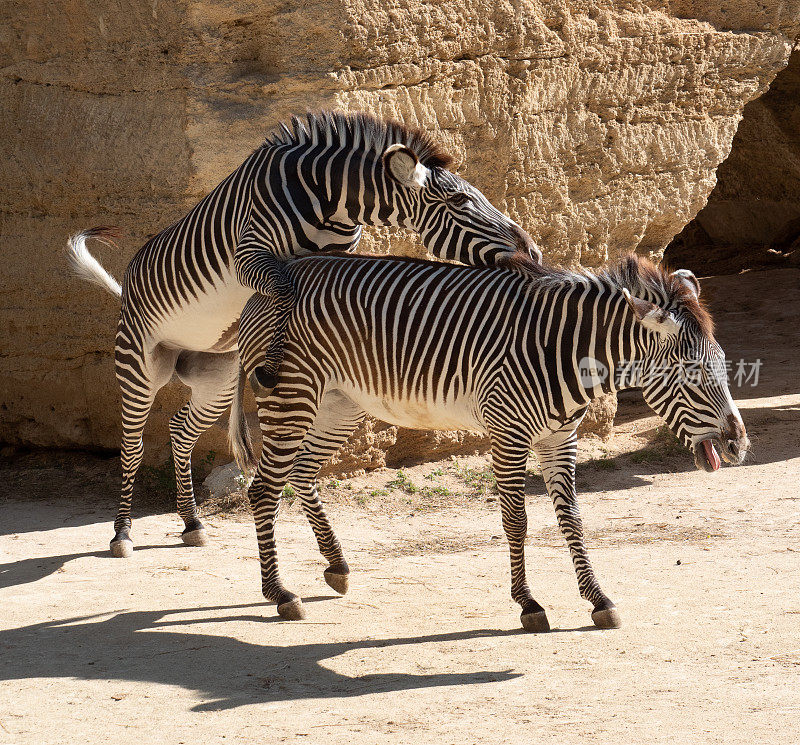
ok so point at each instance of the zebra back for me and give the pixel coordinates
(411, 330)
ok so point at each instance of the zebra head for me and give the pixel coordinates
(684, 378)
(372, 171)
(453, 218)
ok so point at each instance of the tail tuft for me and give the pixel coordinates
(238, 431)
(85, 266)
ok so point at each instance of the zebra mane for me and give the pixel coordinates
(360, 129)
(642, 278)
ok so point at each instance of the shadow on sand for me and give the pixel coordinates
(31, 570)
(224, 671)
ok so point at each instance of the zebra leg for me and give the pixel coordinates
(284, 424)
(140, 375)
(257, 267)
(557, 458)
(509, 461)
(212, 378)
(336, 420)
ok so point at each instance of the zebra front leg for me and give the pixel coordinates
(337, 573)
(557, 459)
(266, 375)
(257, 267)
(284, 424)
(265, 503)
(337, 418)
(278, 450)
(212, 378)
(509, 462)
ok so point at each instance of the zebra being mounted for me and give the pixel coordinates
(310, 187)
(517, 355)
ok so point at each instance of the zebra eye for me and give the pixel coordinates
(459, 199)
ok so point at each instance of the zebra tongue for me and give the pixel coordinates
(711, 454)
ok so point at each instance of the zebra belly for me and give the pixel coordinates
(207, 323)
(418, 414)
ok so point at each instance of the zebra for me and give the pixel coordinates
(517, 354)
(310, 187)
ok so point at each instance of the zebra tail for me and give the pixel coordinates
(85, 266)
(238, 432)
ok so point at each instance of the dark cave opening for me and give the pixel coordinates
(752, 218)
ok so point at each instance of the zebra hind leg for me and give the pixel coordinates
(509, 461)
(336, 420)
(140, 375)
(212, 378)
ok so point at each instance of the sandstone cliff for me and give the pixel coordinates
(596, 124)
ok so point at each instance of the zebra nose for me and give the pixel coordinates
(526, 245)
(736, 432)
(735, 439)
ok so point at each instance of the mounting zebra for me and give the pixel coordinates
(310, 187)
(515, 354)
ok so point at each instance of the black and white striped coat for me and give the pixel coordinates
(428, 345)
(309, 188)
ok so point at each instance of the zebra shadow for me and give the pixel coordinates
(24, 571)
(224, 672)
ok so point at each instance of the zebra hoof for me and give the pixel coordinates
(292, 610)
(197, 537)
(607, 618)
(122, 549)
(536, 623)
(338, 582)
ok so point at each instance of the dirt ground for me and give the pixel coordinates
(176, 646)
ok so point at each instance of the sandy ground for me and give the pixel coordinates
(176, 646)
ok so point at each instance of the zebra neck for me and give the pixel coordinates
(307, 182)
(335, 186)
(358, 190)
(607, 345)
(629, 345)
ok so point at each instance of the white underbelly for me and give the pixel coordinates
(201, 324)
(418, 414)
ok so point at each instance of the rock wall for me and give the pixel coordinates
(598, 125)
(752, 219)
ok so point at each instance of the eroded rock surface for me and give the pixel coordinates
(598, 125)
(752, 218)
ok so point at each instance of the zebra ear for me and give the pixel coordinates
(651, 316)
(404, 166)
(688, 278)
